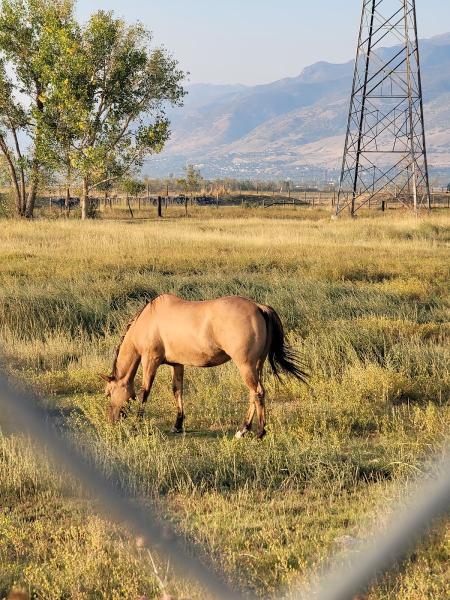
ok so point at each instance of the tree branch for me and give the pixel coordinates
(115, 177)
(20, 160)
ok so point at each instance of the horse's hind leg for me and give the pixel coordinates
(177, 388)
(247, 424)
(251, 376)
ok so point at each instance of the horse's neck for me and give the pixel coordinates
(128, 361)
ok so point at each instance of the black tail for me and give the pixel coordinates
(282, 357)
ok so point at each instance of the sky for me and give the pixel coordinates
(256, 41)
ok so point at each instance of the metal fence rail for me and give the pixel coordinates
(22, 412)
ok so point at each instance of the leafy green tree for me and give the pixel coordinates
(31, 32)
(110, 108)
(133, 187)
(191, 182)
(194, 179)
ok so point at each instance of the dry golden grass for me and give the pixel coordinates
(367, 301)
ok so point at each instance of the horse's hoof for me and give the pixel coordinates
(261, 434)
(240, 434)
(177, 430)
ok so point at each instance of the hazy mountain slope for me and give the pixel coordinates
(233, 116)
(292, 122)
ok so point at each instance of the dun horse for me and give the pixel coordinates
(176, 332)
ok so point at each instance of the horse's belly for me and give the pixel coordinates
(196, 358)
(215, 361)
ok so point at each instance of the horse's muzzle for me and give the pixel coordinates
(113, 414)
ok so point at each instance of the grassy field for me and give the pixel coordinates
(365, 300)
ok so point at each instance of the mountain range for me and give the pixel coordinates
(293, 127)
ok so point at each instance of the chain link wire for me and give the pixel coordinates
(22, 412)
(405, 529)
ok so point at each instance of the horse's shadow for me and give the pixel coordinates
(204, 434)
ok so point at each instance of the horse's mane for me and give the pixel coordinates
(129, 324)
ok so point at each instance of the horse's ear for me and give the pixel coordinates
(107, 378)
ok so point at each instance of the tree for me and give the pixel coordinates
(191, 182)
(30, 50)
(132, 187)
(13, 120)
(106, 188)
(110, 110)
(193, 178)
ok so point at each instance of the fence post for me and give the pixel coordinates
(129, 205)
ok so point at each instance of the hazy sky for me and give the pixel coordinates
(257, 41)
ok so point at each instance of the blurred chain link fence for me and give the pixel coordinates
(22, 412)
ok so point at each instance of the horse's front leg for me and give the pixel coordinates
(149, 368)
(177, 388)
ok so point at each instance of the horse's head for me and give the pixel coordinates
(119, 393)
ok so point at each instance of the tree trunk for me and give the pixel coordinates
(20, 197)
(32, 192)
(34, 178)
(21, 175)
(85, 208)
(129, 206)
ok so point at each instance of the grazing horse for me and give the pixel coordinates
(176, 332)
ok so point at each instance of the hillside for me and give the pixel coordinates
(290, 126)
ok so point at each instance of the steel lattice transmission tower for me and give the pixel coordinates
(385, 151)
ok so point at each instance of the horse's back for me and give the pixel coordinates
(208, 332)
(228, 307)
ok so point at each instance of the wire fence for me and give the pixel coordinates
(22, 412)
(405, 529)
